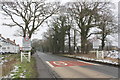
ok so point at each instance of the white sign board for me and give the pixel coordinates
(96, 44)
(26, 56)
(100, 54)
(26, 44)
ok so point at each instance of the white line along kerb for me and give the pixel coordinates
(60, 63)
(49, 64)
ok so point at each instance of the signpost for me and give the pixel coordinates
(99, 54)
(26, 54)
(96, 44)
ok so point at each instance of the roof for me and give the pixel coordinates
(8, 40)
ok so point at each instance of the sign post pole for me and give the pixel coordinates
(29, 56)
(96, 46)
(97, 54)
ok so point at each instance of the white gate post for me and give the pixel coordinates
(29, 56)
(97, 54)
(102, 55)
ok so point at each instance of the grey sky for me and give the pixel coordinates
(8, 32)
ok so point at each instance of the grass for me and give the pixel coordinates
(28, 69)
(0, 55)
(12, 59)
(12, 56)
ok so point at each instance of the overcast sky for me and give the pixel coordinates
(8, 32)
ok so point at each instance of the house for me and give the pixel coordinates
(8, 46)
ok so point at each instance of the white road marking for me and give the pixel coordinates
(60, 63)
(49, 64)
(88, 62)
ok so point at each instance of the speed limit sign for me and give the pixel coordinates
(26, 43)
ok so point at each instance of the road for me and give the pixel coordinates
(63, 67)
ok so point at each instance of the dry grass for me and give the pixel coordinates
(8, 66)
(112, 59)
(14, 60)
(92, 55)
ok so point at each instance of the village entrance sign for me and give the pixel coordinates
(26, 49)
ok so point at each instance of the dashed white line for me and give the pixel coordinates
(49, 64)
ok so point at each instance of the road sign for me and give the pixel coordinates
(26, 44)
(96, 44)
(26, 47)
(25, 55)
(100, 55)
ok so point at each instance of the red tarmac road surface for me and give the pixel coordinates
(67, 63)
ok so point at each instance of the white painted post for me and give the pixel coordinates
(29, 56)
(102, 55)
(97, 54)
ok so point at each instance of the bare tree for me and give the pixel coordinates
(86, 16)
(58, 30)
(31, 14)
(60, 27)
(108, 26)
(48, 39)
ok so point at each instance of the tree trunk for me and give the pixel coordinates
(62, 44)
(74, 40)
(55, 45)
(103, 42)
(103, 37)
(83, 43)
(69, 42)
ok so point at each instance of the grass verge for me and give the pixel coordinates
(26, 69)
(74, 57)
(16, 69)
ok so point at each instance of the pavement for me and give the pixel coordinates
(52, 66)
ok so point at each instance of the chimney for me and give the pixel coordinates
(8, 39)
(14, 40)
